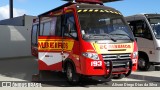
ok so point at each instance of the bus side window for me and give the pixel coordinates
(53, 26)
(140, 29)
(70, 28)
(34, 34)
(41, 28)
(58, 27)
(47, 28)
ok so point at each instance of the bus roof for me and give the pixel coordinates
(81, 6)
(55, 9)
(152, 15)
(92, 1)
(90, 6)
(148, 15)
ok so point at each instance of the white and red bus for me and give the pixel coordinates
(84, 38)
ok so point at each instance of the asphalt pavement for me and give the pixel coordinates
(26, 69)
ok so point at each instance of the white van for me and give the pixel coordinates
(146, 28)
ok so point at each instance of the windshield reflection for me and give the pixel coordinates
(155, 23)
(104, 26)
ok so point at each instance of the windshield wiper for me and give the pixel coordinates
(114, 40)
(124, 35)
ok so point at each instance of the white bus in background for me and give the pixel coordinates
(146, 29)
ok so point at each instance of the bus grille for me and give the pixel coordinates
(120, 62)
(116, 56)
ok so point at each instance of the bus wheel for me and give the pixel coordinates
(72, 76)
(143, 63)
(118, 76)
(42, 75)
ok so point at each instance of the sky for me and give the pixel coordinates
(36, 7)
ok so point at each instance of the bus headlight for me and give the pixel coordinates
(93, 56)
(134, 55)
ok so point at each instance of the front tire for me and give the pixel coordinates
(143, 63)
(44, 75)
(72, 76)
(118, 76)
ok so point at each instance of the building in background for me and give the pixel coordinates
(15, 37)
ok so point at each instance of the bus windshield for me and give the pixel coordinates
(102, 26)
(155, 24)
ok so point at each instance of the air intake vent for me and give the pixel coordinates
(116, 57)
(117, 50)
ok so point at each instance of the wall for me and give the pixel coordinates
(15, 40)
(19, 21)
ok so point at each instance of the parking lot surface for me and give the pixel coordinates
(26, 69)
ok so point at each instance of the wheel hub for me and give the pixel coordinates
(141, 63)
(69, 73)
